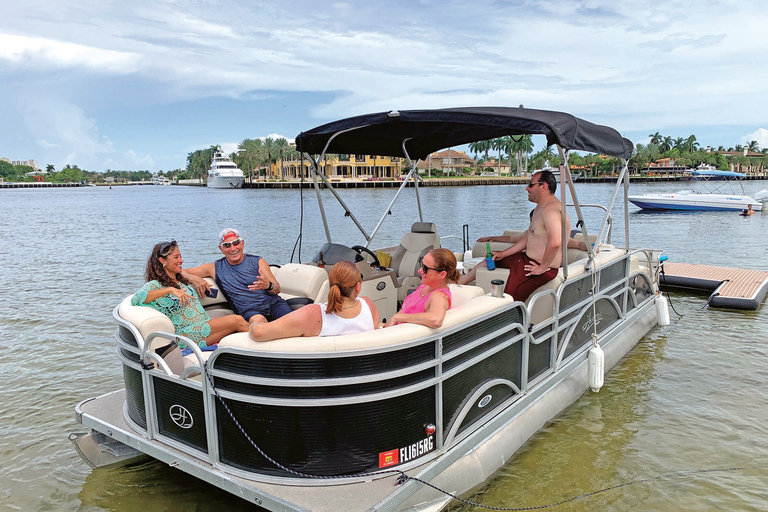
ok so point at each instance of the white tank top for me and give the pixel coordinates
(334, 325)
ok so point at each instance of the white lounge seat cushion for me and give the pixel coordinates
(146, 319)
(468, 303)
(298, 280)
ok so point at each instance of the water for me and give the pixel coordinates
(690, 396)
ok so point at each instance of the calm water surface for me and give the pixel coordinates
(690, 397)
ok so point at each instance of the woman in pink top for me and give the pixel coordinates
(345, 312)
(429, 302)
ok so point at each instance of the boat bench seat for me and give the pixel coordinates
(299, 281)
(468, 303)
(296, 281)
(542, 308)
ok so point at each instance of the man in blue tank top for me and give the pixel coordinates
(245, 279)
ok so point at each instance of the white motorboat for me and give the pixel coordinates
(160, 180)
(706, 199)
(556, 171)
(363, 422)
(224, 173)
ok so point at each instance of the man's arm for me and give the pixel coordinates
(266, 280)
(519, 246)
(196, 275)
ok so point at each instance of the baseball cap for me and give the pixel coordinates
(228, 233)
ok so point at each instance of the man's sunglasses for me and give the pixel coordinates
(532, 183)
(165, 248)
(234, 242)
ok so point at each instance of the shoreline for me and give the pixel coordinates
(383, 183)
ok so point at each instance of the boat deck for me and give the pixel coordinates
(732, 288)
(105, 414)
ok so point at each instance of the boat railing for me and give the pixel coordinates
(592, 302)
(455, 379)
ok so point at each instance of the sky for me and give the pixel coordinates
(138, 85)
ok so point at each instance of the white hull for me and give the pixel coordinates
(224, 173)
(226, 182)
(689, 200)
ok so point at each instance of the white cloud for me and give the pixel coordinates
(43, 53)
(760, 136)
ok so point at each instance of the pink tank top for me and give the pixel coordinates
(415, 303)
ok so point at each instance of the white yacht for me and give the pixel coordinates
(395, 419)
(224, 173)
(708, 197)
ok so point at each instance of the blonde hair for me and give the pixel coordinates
(445, 261)
(343, 278)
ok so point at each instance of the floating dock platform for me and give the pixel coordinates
(732, 288)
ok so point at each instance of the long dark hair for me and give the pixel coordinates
(155, 270)
(343, 278)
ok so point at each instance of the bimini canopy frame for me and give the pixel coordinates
(415, 134)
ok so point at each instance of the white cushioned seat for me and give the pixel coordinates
(468, 302)
(406, 259)
(297, 280)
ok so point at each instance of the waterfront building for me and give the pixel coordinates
(338, 166)
(30, 163)
(449, 162)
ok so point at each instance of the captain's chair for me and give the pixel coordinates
(406, 259)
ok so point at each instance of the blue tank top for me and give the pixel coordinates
(234, 281)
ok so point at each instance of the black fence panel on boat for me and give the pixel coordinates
(479, 329)
(324, 368)
(486, 404)
(612, 274)
(180, 413)
(304, 392)
(134, 396)
(539, 358)
(457, 389)
(324, 440)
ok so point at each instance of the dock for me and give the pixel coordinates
(732, 288)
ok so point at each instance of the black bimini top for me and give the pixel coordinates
(427, 131)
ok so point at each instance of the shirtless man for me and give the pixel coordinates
(535, 258)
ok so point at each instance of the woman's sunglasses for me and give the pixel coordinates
(165, 248)
(234, 242)
(425, 269)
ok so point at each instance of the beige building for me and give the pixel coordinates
(448, 161)
(364, 167)
(30, 163)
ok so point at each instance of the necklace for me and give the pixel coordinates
(350, 306)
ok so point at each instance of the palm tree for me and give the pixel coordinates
(476, 147)
(754, 146)
(250, 152)
(656, 138)
(270, 153)
(281, 150)
(522, 145)
(666, 144)
(50, 168)
(690, 144)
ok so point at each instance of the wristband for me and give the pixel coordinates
(271, 285)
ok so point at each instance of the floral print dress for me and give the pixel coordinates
(190, 320)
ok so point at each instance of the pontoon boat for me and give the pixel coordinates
(365, 422)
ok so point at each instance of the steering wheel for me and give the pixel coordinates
(359, 249)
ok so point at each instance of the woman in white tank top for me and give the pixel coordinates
(344, 313)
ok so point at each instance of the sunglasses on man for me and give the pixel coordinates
(234, 242)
